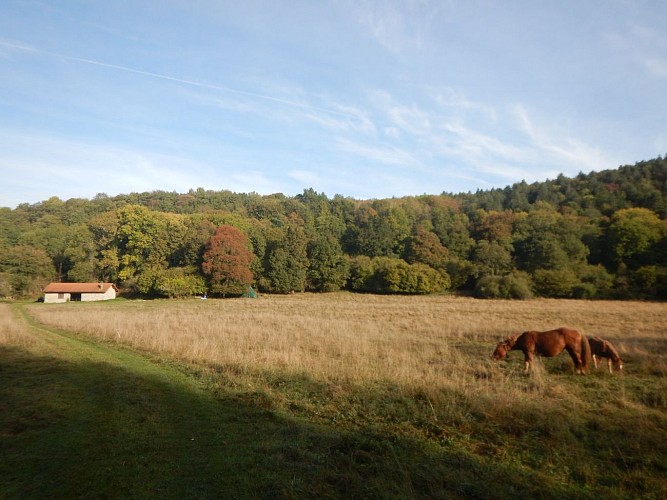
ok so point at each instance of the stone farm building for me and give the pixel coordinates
(84, 292)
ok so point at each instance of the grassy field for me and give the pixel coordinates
(330, 395)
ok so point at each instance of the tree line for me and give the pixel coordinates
(597, 235)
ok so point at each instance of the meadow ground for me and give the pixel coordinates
(375, 396)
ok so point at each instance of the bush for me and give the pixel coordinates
(595, 282)
(584, 291)
(516, 285)
(650, 280)
(488, 287)
(555, 282)
(180, 282)
(361, 271)
(389, 275)
(171, 282)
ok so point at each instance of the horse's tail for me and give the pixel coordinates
(586, 357)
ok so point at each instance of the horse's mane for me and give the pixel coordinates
(614, 353)
(510, 341)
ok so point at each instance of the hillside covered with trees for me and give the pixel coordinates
(597, 235)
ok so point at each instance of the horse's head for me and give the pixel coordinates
(615, 358)
(502, 349)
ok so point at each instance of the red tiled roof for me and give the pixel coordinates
(79, 287)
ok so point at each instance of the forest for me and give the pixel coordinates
(597, 235)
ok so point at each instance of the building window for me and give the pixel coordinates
(61, 296)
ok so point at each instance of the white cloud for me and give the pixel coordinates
(559, 149)
(655, 65)
(37, 167)
(384, 154)
(644, 46)
(397, 25)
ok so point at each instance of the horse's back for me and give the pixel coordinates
(553, 342)
(548, 343)
(597, 345)
(569, 333)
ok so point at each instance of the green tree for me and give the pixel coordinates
(492, 258)
(197, 232)
(545, 239)
(327, 269)
(287, 261)
(140, 233)
(370, 233)
(425, 247)
(227, 261)
(79, 254)
(49, 234)
(633, 233)
(361, 273)
(26, 269)
(106, 260)
(451, 225)
(494, 226)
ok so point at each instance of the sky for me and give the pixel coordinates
(360, 98)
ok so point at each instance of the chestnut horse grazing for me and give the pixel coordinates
(548, 344)
(601, 348)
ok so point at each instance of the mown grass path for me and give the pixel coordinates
(81, 419)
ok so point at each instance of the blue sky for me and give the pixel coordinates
(362, 98)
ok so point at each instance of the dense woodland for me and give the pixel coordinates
(597, 235)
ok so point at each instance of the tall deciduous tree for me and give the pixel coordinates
(633, 233)
(227, 261)
(328, 269)
(425, 247)
(27, 269)
(141, 239)
(104, 228)
(287, 261)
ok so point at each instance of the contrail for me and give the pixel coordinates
(221, 88)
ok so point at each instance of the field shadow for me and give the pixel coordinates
(97, 430)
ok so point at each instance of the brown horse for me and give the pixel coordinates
(601, 348)
(548, 344)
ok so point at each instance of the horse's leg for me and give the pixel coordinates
(609, 365)
(528, 361)
(595, 361)
(576, 358)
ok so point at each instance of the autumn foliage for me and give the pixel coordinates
(227, 261)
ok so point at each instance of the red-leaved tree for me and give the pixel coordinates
(227, 261)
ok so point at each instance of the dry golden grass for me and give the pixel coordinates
(415, 343)
(420, 367)
(13, 331)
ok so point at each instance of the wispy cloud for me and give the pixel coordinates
(397, 25)
(189, 82)
(386, 154)
(558, 149)
(645, 46)
(32, 164)
(447, 131)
